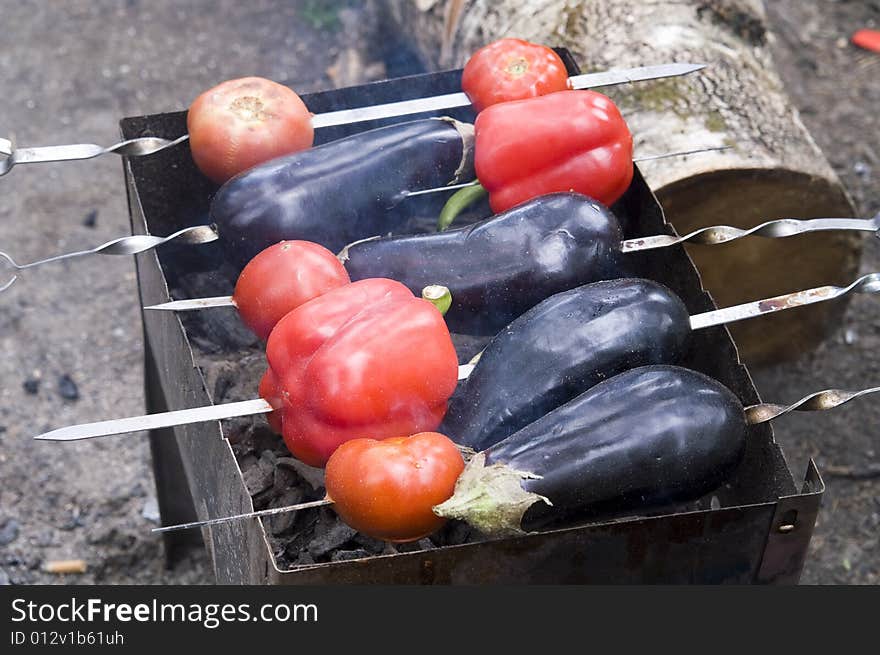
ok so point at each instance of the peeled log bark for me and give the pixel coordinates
(775, 169)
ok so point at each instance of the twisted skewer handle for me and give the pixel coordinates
(784, 227)
(130, 245)
(815, 402)
(10, 155)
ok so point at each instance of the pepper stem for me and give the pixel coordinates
(457, 203)
(439, 296)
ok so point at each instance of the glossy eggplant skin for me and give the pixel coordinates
(499, 268)
(341, 191)
(649, 436)
(562, 347)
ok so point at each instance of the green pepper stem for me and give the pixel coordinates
(457, 203)
(439, 296)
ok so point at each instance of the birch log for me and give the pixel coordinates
(774, 170)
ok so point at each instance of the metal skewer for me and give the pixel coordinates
(865, 284)
(636, 160)
(130, 245)
(816, 402)
(778, 229)
(10, 155)
(204, 234)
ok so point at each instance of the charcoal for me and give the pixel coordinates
(375, 546)
(313, 476)
(282, 523)
(285, 478)
(31, 386)
(330, 533)
(304, 558)
(342, 555)
(224, 330)
(412, 546)
(259, 478)
(265, 439)
(305, 523)
(67, 388)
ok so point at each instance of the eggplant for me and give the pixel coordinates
(561, 347)
(341, 191)
(647, 437)
(499, 268)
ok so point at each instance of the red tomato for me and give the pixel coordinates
(241, 123)
(283, 277)
(512, 69)
(387, 489)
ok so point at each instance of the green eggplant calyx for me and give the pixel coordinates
(457, 203)
(439, 296)
(490, 498)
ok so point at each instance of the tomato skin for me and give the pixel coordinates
(512, 69)
(283, 277)
(387, 489)
(244, 122)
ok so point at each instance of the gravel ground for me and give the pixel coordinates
(70, 336)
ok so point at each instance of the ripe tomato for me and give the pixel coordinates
(241, 123)
(512, 69)
(387, 489)
(283, 277)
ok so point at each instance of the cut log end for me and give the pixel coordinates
(756, 267)
(775, 169)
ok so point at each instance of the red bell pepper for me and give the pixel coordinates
(563, 141)
(366, 360)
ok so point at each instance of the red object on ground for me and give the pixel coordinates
(512, 69)
(387, 489)
(867, 39)
(366, 360)
(565, 141)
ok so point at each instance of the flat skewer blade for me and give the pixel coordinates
(157, 421)
(171, 419)
(762, 307)
(454, 100)
(194, 303)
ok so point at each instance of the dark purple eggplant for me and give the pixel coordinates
(561, 347)
(341, 191)
(501, 267)
(644, 438)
